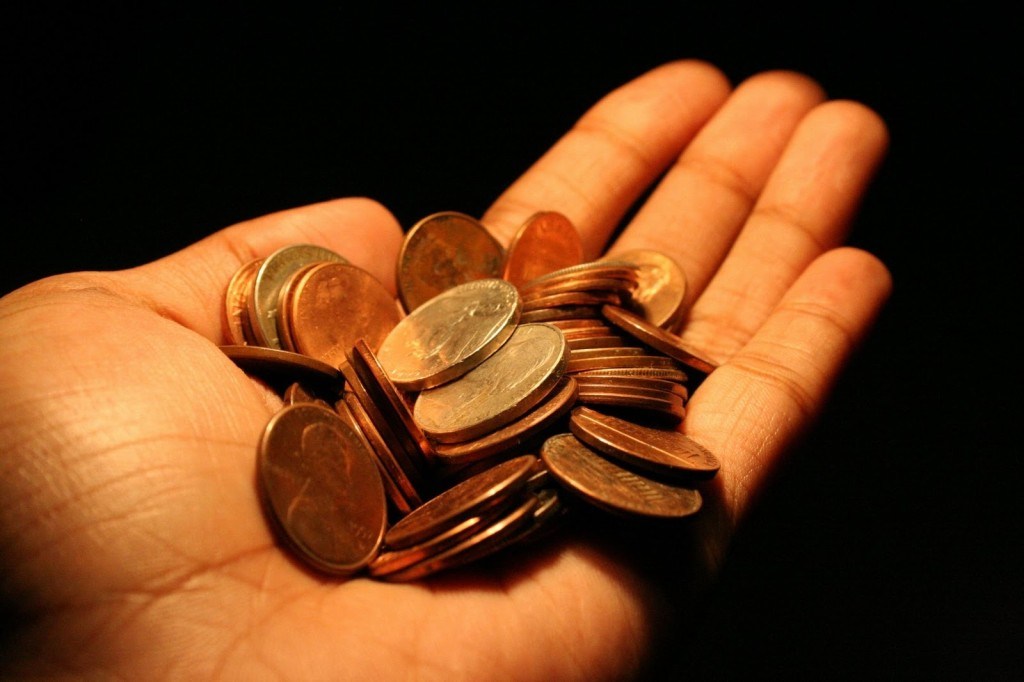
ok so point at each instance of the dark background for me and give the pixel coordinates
(887, 548)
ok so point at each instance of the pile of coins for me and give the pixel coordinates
(469, 414)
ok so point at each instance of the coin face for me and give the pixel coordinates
(662, 451)
(270, 277)
(583, 471)
(321, 487)
(450, 334)
(546, 242)
(441, 251)
(331, 306)
(661, 288)
(505, 386)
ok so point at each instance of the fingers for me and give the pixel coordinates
(703, 201)
(597, 171)
(189, 285)
(751, 409)
(804, 209)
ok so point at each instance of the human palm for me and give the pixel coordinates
(133, 539)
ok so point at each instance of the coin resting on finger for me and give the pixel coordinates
(453, 422)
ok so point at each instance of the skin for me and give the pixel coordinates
(131, 535)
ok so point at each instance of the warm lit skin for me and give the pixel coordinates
(131, 536)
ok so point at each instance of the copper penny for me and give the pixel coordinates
(322, 488)
(575, 312)
(270, 277)
(631, 382)
(665, 452)
(583, 471)
(620, 361)
(450, 334)
(655, 337)
(661, 288)
(441, 251)
(669, 409)
(280, 368)
(489, 539)
(620, 270)
(236, 302)
(488, 489)
(392, 560)
(507, 385)
(667, 373)
(332, 305)
(572, 298)
(546, 242)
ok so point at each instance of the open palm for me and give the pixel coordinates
(133, 543)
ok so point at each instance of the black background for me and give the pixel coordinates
(887, 548)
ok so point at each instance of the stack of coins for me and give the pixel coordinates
(500, 389)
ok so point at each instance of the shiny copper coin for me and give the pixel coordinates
(620, 270)
(488, 489)
(583, 471)
(399, 488)
(490, 539)
(669, 410)
(546, 242)
(513, 435)
(595, 284)
(270, 277)
(664, 452)
(507, 385)
(396, 442)
(661, 288)
(655, 337)
(673, 373)
(609, 352)
(236, 302)
(592, 342)
(573, 298)
(332, 305)
(450, 334)
(393, 560)
(444, 250)
(631, 382)
(623, 361)
(280, 368)
(573, 313)
(585, 329)
(393, 404)
(322, 488)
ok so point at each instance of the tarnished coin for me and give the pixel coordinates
(546, 242)
(236, 302)
(661, 288)
(505, 386)
(444, 250)
(665, 452)
(655, 337)
(280, 368)
(583, 471)
(332, 305)
(450, 334)
(322, 489)
(270, 277)
(486, 490)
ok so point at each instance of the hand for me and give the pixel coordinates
(133, 540)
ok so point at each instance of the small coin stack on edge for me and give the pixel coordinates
(472, 412)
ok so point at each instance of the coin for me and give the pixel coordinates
(393, 560)
(656, 337)
(280, 368)
(450, 334)
(270, 277)
(515, 434)
(665, 452)
(502, 388)
(441, 251)
(661, 286)
(546, 242)
(236, 302)
(591, 476)
(321, 487)
(486, 490)
(332, 305)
